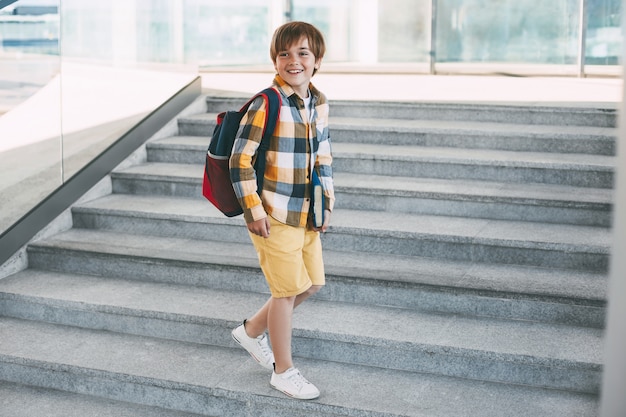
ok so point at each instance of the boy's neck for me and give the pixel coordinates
(302, 94)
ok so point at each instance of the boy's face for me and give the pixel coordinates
(296, 64)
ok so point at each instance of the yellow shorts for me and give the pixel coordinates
(290, 258)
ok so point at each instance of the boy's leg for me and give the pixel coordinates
(251, 334)
(279, 317)
(286, 378)
(258, 323)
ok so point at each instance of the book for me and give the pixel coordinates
(317, 200)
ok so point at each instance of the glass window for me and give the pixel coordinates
(604, 32)
(404, 31)
(87, 29)
(525, 31)
(335, 19)
(226, 32)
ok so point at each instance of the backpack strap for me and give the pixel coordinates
(274, 103)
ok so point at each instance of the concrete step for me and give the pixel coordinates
(456, 197)
(456, 134)
(576, 298)
(476, 135)
(441, 237)
(584, 114)
(217, 381)
(27, 401)
(577, 170)
(178, 150)
(517, 352)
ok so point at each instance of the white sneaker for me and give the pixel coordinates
(293, 384)
(257, 347)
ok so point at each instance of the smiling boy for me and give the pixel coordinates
(279, 216)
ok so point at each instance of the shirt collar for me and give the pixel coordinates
(288, 90)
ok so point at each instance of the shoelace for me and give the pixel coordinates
(297, 379)
(265, 347)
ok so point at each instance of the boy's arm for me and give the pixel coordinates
(242, 173)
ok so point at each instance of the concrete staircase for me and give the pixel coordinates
(466, 267)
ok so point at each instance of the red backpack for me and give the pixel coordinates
(216, 186)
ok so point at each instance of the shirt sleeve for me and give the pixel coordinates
(325, 172)
(324, 161)
(241, 163)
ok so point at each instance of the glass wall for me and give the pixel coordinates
(74, 77)
(528, 32)
(519, 31)
(30, 65)
(404, 31)
(604, 33)
(523, 35)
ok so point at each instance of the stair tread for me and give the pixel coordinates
(381, 184)
(508, 280)
(458, 229)
(506, 129)
(439, 154)
(462, 126)
(541, 344)
(207, 370)
(475, 156)
(26, 401)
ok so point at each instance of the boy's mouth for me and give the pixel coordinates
(295, 71)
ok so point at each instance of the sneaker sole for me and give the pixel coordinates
(294, 396)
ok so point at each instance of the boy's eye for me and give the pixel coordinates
(283, 54)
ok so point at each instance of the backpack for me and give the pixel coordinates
(216, 186)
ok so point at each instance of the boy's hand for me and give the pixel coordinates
(326, 222)
(260, 227)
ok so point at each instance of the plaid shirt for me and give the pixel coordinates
(295, 148)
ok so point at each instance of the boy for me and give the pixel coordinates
(288, 246)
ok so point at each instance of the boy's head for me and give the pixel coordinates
(290, 33)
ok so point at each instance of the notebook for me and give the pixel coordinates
(317, 200)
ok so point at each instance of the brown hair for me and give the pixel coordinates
(289, 33)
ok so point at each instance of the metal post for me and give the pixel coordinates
(582, 36)
(288, 10)
(433, 36)
(612, 398)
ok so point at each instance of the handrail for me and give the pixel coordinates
(22, 231)
(5, 3)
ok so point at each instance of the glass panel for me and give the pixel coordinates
(604, 32)
(30, 102)
(404, 31)
(336, 20)
(74, 79)
(523, 31)
(226, 32)
(115, 75)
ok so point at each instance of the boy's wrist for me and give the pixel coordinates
(254, 213)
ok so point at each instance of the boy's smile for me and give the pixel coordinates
(296, 66)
